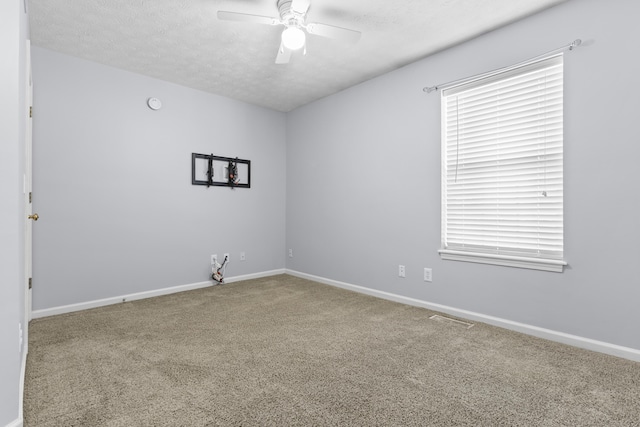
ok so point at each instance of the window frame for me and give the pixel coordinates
(540, 261)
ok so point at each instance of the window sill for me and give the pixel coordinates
(556, 266)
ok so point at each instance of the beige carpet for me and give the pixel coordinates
(284, 351)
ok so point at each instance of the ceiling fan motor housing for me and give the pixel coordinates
(289, 16)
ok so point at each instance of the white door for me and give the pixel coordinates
(31, 216)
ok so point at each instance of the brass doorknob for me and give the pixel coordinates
(34, 217)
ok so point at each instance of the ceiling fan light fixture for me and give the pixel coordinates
(293, 38)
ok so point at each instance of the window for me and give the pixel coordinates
(502, 190)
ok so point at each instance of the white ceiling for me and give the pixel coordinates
(183, 42)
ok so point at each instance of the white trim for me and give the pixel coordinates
(23, 374)
(142, 295)
(555, 266)
(255, 275)
(15, 423)
(561, 337)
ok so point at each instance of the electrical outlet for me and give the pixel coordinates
(242, 256)
(428, 277)
(214, 259)
(401, 271)
(290, 253)
(226, 256)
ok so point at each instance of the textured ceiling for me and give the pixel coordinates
(183, 42)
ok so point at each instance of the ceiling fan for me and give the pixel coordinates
(293, 16)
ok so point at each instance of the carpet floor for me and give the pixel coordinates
(284, 351)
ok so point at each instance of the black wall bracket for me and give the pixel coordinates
(217, 171)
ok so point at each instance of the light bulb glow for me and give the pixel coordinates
(293, 38)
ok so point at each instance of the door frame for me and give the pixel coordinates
(28, 187)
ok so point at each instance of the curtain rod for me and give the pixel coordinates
(570, 46)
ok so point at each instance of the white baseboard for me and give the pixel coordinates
(23, 373)
(147, 294)
(561, 337)
(15, 423)
(255, 275)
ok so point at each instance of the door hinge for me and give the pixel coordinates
(31, 112)
(30, 196)
(30, 282)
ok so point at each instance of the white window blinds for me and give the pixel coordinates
(502, 187)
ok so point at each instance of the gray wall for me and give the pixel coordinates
(13, 34)
(363, 180)
(119, 215)
(112, 184)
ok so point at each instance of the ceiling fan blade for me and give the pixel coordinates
(332, 32)
(245, 17)
(284, 55)
(300, 6)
